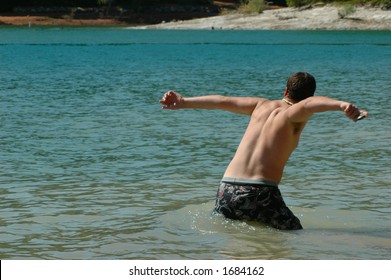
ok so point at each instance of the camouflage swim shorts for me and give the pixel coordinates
(255, 201)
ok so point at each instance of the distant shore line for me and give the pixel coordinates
(327, 17)
(33, 21)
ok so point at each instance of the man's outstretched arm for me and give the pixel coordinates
(241, 105)
(303, 110)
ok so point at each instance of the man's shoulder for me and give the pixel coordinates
(268, 109)
(268, 104)
(263, 101)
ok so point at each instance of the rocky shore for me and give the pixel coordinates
(328, 17)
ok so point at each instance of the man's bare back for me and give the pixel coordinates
(249, 188)
(268, 142)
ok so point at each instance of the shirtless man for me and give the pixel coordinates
(249, 189)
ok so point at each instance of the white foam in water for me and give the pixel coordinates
(327, 234)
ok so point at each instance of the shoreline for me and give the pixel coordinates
(327, 17)
(41, 21)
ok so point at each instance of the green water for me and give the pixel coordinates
(92, 168)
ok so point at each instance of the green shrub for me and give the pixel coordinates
(298, 3)
(346, 11)
(252, 6)
(386, 4)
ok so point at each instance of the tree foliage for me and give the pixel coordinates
(91, 3)
(8, 5)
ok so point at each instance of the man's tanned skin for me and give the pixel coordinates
(273, 132)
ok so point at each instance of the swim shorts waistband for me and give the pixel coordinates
(238, 181)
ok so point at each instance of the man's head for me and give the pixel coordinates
(300, 86)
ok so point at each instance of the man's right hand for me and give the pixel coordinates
(172, 100)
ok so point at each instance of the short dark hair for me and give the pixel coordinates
(301, 85)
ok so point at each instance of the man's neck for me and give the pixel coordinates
(288, 101)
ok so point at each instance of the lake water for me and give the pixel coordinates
(92, 168)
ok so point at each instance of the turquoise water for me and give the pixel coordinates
(92, 168)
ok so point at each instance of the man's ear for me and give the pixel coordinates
(286, 92)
